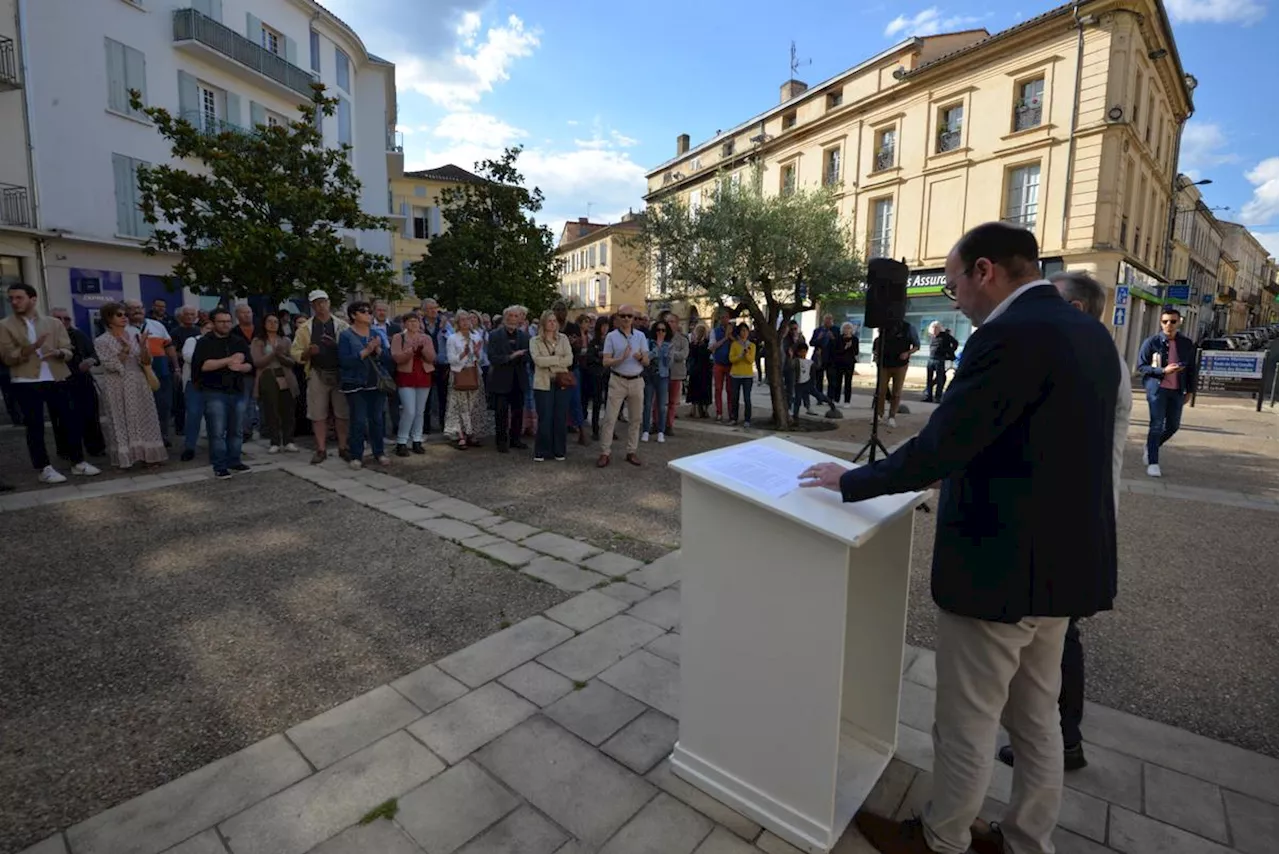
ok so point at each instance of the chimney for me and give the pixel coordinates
(790, 89)
(682, 144)
(582, 226)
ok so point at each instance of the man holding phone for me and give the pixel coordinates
(625, 355)
(1168, 364)
(316, 346)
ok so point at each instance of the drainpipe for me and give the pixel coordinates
(1173, 199)
(41, 260)
(1075, 122)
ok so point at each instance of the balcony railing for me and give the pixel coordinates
(8, 64)
(395, 141)
(210, 124)
(948, 140)
(884, 159)
(1023, 219)
(878, 247)
(14, 210)
(1026, 116)
(190, 25)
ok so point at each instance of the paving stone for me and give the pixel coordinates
(667, 646)
(308, 813)
(566, 576)
(429, 688)
(890, 790)
(612, 563)
(417, 494)
(629, 593)
(560, 546)
(1229, 766)
(364, 494)
(1194, 805)
(522, 832)
(481, 541)
(355, 724)
(644, 742)
(599, 648)
(377, 837)
(411, 512)
(664, 779)
(1083, 814)
(915, 706)
(662, 609)
(378, 480)
(1137, 834)
(586, 610)
(652, 680)
(915, 748)
(459, 509)
(471, 721)
(722, 841)
(456, 806)
(924, 670)
(52, 845)
(449, 529)
(661, 573)
(202, 843)
(393, 504)
(536, 683)
(1066, 842)
(514, 531)
(192, 803)
(1254, 826)
(595, 712)
(508, 553)
(921, 789)
(488, 659)
(488, 522)
(571, 782)
(1114, 777)
(773, 845)
(664, 826)
(341, 484)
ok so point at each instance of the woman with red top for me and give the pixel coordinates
(415, 355)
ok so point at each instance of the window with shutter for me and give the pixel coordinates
(344, 121)
(129, 219)
(126, 69)
(435, 221)
(315, 51)
(604, 253)
(881, 243)
(344, 69)
(1023, 199)
(591, 257)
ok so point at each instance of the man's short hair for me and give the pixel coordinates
(1168, 309)
(1005, 245)
(213, 315)
(1082, 287)
(24, 287)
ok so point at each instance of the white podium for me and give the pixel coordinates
(793, 619)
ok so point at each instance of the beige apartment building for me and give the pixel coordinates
(416, 212)
(600, 267)
(1067, 124)
(1253, 274)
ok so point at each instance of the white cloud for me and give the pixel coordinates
(1203, 145)
(460, 77)
(478, 129)
(1216, 11)
(927, 23)
(1265, 204)
(1270, 241)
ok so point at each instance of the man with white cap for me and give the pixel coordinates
(316, 346)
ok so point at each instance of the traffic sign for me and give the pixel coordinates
(1122, 299)
(1118, 318)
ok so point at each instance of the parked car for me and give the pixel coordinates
(1219, 344)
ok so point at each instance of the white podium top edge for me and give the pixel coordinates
(818, 509)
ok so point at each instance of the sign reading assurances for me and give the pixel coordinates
(1223, 370)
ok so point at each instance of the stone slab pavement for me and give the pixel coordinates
(551, 737)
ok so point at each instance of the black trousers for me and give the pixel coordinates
(438, 396)
(84, 408)
(935, 381)
(32, 399)
(508, 415)
(1071, 697)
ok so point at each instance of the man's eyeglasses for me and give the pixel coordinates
(362, 311)
(949, 288)
(1172, 320)
(626, 316)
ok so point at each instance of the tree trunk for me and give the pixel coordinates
(773, 373)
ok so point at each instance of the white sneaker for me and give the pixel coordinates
(85, 469)
(52, 475)
(891, 423)
(291, 448)
(356, 464)
(1153, 470)
(662, 437)
(384, 460)
(274, 449)
(644, 437)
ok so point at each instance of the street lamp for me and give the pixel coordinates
(1178, 186)
(1199, 183)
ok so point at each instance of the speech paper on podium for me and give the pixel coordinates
(768, 470)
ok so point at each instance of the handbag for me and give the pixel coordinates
(153, 381)
(565, 379)
(467, 379)
(386, 384)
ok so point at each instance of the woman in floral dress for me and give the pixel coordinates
(466, 418)
(127, 406)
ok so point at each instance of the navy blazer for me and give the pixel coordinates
(1022, 442)
(506, 373)
(1187, 354)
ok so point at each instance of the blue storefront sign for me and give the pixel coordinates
(1179, 292)
(1118, 318)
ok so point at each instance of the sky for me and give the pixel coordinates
(597, 93)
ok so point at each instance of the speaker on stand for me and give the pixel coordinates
(886, 304)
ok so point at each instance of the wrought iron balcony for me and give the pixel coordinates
(9, 78)
(190, 25)
(1026, 115)
(395, 141)
(885, 159)
(948, 140)
(14, 209)
(1026, 219)
(211, 125)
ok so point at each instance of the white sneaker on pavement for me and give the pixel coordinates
(891, 423)
(1153, 470)
(644, 437)
(291, 448)
(51, 475)
(662, 437)
(274, 449)
(356, 464)
(85, 469)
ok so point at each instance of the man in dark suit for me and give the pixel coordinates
(84, 396)
(1022, 443)
(508, 379)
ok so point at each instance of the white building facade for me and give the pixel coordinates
(70, 145)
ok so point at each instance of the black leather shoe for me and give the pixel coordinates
(187, 456)
(1072, 757)
(417, 448)
(402, 451)
(519, 446)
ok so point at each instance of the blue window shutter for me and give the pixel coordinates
(123, 174)
(253, 28)
(135, 75)
(290, 51)
(117, 97)
(215, 10)
(433, 227)
(188, 97)
(257, 114)
(141, 227)
(315, 51)
(233, 109)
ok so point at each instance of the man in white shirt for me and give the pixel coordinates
(625, 356)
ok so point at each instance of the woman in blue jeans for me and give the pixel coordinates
(359, 349)
(657, 381)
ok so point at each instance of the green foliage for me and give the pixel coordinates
(259, 211)
(767, 257)
(492, 254)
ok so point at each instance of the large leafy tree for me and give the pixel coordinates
(263, 210)
(492, 254)
(767, 257)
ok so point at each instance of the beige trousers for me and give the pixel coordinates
(629, 391)
(989, 673)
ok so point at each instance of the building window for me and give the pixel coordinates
(604, 253)
(1027, 111)
(419, 191)
(789, 120)
(406, 272)
(1124, 231)
(344, 69)
(695, 202)
(129, 220)
(591, 257)
(881, 242)
(272, 40)
(1151, 117)
(886, 154)
(419, 223)
(950, 123)
(344, 121)
(275, 120)
(315, 51)
(213, 108)
(831, 167)
(787, 181)
(126, 69)
(1137, 98)
(695, 164)
(1159, 140)
(1024, 195)
(835, 99)
(726, 150)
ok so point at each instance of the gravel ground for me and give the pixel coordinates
(16, 470)
(133, 653)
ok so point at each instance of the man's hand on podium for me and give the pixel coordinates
(826, 475)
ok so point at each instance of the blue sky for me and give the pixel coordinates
(598, 92)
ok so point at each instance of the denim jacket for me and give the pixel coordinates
(1187, 355)
(355, 373)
